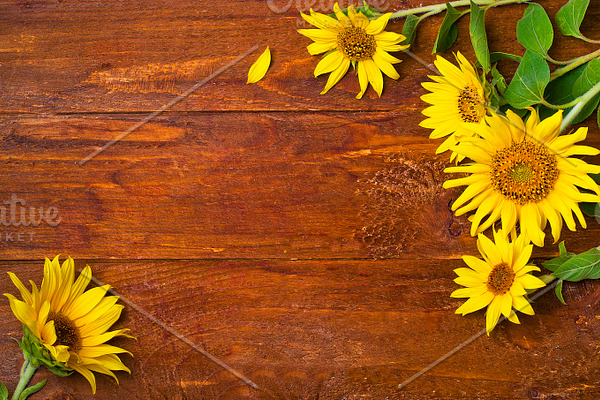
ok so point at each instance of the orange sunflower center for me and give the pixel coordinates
(524, 172)
(356, 44)
(67, 333)
(500, 279)
(470, 106)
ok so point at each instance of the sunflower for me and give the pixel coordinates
(69, 322)
(356, 40)
(524, 173)
(499, 281)
(458, 96)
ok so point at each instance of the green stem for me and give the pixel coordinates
(556, 62)
(592, 41)
(562, 106)
(582, 101)
(27, 371)
(438, 8)
(576, 63)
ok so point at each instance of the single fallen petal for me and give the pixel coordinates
(259, 68)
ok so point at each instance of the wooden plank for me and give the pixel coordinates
(326, 329)
(235, 185)
(90, 56)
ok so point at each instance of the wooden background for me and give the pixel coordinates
(304, 240)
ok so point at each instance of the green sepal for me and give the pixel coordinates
(367, 11)
(562, 249)
(32, 389)
(558, 291)
(3, 392)
(498, 81)
(38, 355)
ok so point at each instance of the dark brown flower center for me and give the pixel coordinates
(356, 44)
(500, 279)
(67, 333)
(470, 106)
(524, 172)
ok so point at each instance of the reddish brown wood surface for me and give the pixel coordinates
(304, 240)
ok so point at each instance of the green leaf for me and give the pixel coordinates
(528, 85)
(590, 209)
(448, 32)
(573, 84)
(570, 16)
(555, 263)
(409, 30)
(497, 56)
(3, 392)
(558, 291)
(582, 266)
(31, 390)
(534, 30)
(479, 37)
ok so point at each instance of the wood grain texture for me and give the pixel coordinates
(305, 240)
(328, 329)
(70, 56)
(237, 185)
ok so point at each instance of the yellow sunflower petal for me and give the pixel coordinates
(329, 63)
(87, 374)
(86, 302)
(336, 75)
(320, 47)
(363, 79)
(478, 265)
(506, 304)
(531, 282)
(100, 350)
(344, 20)
(521, 304)
(319, 35)
(513, 318)
(377, 26)
(25, 294)
(493, 314)
(475, 291)
(259, 69)
(475, 303)
(385, 66)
